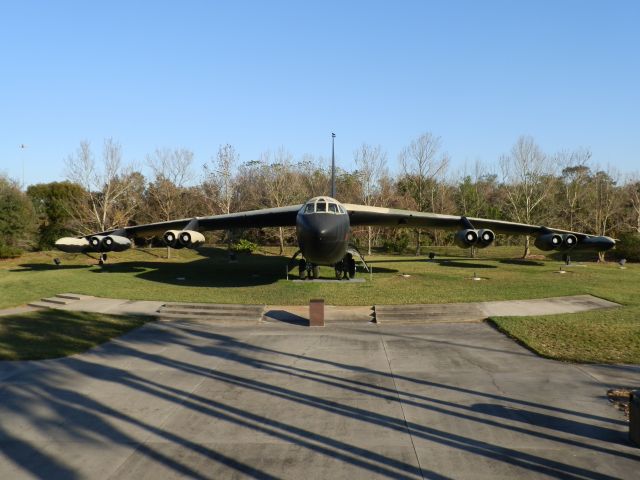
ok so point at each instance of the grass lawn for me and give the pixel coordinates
(206, 276)
(57, 333)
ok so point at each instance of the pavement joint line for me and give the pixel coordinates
(144, 442)
(404, 416)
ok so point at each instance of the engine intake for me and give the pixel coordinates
(190, 238)
(466, 238)
(170, 238)
(485, 238)
(95, 242)
(183, 238)
(556, 241)
(115, 243)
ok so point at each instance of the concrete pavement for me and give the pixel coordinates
(175, 399)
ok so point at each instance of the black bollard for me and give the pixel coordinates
(634, 417)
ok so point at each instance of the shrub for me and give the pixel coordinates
(7, 251)
(629, 246)
(245, 246)
(397, 243)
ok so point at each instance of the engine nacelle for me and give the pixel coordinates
(170, 238)
(556, 241)
(466, 238)
(95, 242)
(485, 238)
(115, 243)
(190, 238)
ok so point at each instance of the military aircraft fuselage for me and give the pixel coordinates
(323, 229)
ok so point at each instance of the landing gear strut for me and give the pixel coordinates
(103, 259)
(346, 268)
(308, 270)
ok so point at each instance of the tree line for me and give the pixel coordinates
(103, 191)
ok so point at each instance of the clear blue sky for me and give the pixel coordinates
(263, 74)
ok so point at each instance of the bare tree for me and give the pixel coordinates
(421, 166)
(106, 184)
(371, 163)
(278, 182)
(220, 184)
(575, 177)
(221, 176)
(605, 202)
(172, 171)
(526, 173)
(632, 192)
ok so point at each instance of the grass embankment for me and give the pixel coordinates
(57, 333)
(207, 276)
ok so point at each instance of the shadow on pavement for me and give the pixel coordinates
(55, 409)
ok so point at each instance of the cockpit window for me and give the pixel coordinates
(324, 205)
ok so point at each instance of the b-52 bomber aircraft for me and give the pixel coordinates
(323, 228)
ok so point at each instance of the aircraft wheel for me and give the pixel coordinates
(302, 269)
(339, 269)
(352, 267)
(315, 271)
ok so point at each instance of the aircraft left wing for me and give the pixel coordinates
(546, 238)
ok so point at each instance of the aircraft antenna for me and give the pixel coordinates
(333, 165)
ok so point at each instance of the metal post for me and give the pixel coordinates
(333, 166)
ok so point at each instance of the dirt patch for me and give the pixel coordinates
(620, 398)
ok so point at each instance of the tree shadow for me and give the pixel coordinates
(462, 264)
(520, 261)
(41, 267)
(89, 418)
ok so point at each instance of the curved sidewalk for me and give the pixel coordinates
(426, 313)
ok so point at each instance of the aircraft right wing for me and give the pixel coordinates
(184, 232)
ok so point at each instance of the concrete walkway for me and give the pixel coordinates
(457, 312)
(354, 401)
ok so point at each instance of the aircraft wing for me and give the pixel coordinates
(267, 217)
(361, 215)
(119, 239)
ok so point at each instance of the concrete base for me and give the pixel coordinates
(178, 400)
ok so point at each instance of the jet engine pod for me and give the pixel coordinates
(170, 238)
(569, 240)
(485, 238)
(467, 238)
(95, 242)
(549, 241)
(115, 243)
(72, 245)
(190, 238)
